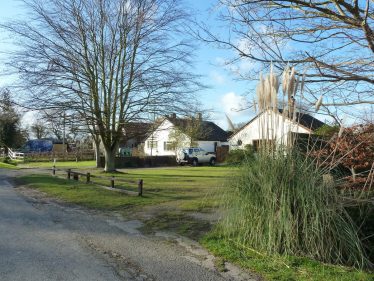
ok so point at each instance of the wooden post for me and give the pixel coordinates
(88, 177)
(112, 182)
(69, 173)
(54, 170)
(140, 187)
(75, 176)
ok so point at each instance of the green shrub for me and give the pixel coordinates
(280, 204)
(238, 156)
(327, 130)
(8, 160)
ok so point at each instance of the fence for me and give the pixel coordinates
(131, 187)
(14, 155)
(221, 153)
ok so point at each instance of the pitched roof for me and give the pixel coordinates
(303, 119)
(137, 129)
(307, 120)
(210, 131)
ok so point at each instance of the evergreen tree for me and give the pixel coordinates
(11, 134)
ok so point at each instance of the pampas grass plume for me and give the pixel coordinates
(297, 82)
(291, 83)
(285, 80)
(341, 130)
(318, 103)
(302, 82)
(255, 105)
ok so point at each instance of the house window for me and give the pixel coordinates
(152, 144)
(168, 146)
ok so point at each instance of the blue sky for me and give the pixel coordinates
(224, 94)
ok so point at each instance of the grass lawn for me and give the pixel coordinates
(282, 268)
(83, 194)
(190, 188)
(7, 166)
(185, 189)
(66, 164)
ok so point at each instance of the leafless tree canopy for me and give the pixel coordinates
(111, 61)
(332, 41)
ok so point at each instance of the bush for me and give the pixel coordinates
(281, 204)
(238, 156)
(8, 160)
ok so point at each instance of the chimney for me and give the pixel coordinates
(173, 116)
(199, 116)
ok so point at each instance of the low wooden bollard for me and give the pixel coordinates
(140, 187)
(88, 177)
(112, 182)
(75, 176)
(69, 173)
(54, 170)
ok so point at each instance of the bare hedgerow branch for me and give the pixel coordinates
(332, 40)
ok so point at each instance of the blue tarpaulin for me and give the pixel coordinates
(44, 145)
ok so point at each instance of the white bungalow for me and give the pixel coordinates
(171, 133)
(273, 126)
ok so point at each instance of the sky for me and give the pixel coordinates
(224, 94)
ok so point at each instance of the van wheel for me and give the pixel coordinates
(212, 161)
(194, 162)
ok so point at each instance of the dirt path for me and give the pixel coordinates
(48, 240)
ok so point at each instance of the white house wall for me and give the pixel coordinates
(209, 146)
(268, 125)
(161, 135)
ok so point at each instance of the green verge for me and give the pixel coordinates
(65, 164)
(183, 189)
(281, 268)
(7, 166)
(186, 188)
(177, 222)
(83, 194)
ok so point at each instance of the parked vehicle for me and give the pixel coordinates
(195, 156)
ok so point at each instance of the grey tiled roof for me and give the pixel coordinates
(307, 120)
(211, 131)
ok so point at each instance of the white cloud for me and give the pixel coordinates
(240, 67)
(28, 118)
(217, 78)
(244, 45)
(220, 61)
(234, 105)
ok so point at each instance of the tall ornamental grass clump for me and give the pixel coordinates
(279, 203)
(282, 201)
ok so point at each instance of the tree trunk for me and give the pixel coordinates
(97, 153)
(110, 157)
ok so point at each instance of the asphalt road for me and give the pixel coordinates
(44, 240)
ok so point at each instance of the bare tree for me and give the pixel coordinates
(39, 129)
(330, 42)
(110, 61)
